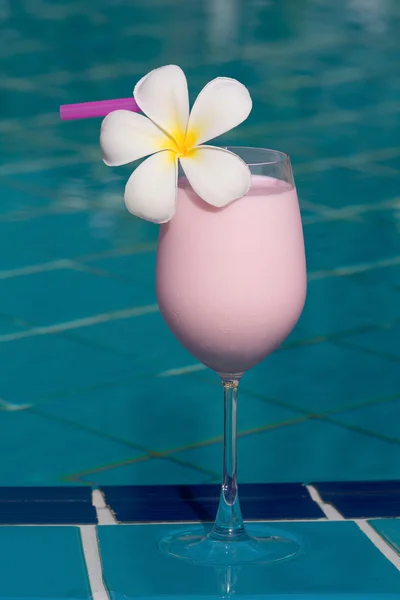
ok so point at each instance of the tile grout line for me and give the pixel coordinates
(379, 542)
(104, 513)
(94, 569)
(329, 511)
(353, 269)
(117, 315)
(54, 265)
(194, 368)
(136, 523)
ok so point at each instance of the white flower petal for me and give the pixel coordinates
(151, 189)
(126, 136)
(217, 175)
(222, 104)
(163, 96)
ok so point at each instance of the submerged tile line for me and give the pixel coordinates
(25, 215)
(7, 406)
(240, 434)
(367, 350)
(77, 477)
(77, 262)
(135, 311)
(186, 370)
(45, 164)
(361, 430)
(339, 335)
(363, 404)
(171, 451)
(140, 248)
(91, 430)
(352, 212)
(304, 411)
(190, 465)
(66, 393)
(326, 414)
(53, 265)
(354, 269)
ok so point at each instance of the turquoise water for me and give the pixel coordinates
(93, 387)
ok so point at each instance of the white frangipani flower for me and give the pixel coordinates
(169, 133)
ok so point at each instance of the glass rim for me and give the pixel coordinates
(280, 156)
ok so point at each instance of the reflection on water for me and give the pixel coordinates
(227, 581)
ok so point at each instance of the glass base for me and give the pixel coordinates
(259, 545)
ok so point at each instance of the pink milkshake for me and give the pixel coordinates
(231, 273)
(231, 282)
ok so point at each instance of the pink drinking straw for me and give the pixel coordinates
(88, 110)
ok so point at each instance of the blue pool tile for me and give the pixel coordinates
(389, 529)
(53, 297)
(45, 451)
(146, 339)
(322, 376)
(378, 419)
(199, 503)
(49, 237)
(190, 409)
(139, 267)
(296, 335)
(338, 242)
(312, 450)
(55, 365)
(384, 340)
(52, 563)
(326, 568)
(344, 187)
(46, 505)
(10, 324)
(344, 304)
(363, 500)
(17, 202)
(387, 276)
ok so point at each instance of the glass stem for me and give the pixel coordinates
(229, 523)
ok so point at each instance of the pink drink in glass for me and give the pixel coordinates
(231, 282)
(231, 285)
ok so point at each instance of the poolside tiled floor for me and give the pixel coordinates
(42, 562)
(326, 564)
(115, 554)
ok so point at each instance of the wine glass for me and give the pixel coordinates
(231, 285)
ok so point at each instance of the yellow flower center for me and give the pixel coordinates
(184, 144)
